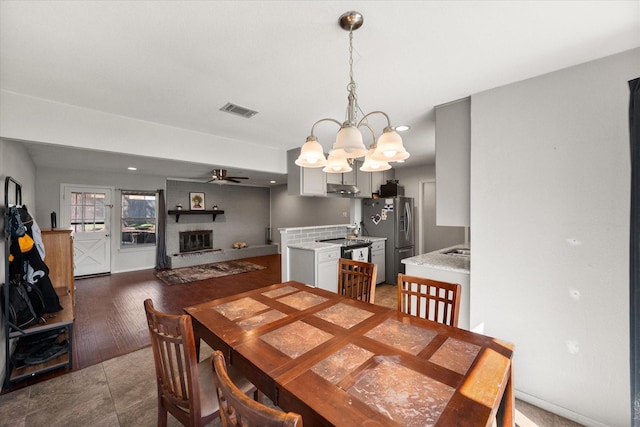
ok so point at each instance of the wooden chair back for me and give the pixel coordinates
(357, 279)
(237, 409)
(429, 299)
(174, 355)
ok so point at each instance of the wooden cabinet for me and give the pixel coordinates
(304, 181)
(58, 245)
(453, 163)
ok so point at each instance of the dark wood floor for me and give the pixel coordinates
(110, 319)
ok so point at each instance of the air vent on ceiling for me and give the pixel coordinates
(240, 111)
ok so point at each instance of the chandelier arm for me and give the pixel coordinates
(373, 134)
(324, 120)
(375, 112)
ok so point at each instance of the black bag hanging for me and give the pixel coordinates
(26, 305)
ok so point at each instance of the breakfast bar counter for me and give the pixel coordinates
(451, 265)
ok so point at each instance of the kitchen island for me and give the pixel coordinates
(451, 265)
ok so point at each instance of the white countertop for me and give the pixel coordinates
(438, 259)
(318, 246)
(314, 246)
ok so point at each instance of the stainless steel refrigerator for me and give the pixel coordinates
(390, 217)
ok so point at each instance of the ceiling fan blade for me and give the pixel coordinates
(237, 177)
(231, 179)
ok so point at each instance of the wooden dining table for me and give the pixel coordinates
(342, 362)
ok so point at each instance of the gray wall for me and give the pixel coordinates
(550, 189)
(48, 187)
(16, 163)
(299, 211)
(420, 183)
(245, 219)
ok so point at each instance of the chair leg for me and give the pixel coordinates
(258, 396)
(162, 414)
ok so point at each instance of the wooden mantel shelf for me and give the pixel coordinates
(177, 213)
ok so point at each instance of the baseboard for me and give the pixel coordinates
(558, 410)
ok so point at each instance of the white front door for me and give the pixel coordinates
(87, 210)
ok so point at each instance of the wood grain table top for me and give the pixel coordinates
(339, 361)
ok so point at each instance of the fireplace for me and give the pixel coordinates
(194, 241)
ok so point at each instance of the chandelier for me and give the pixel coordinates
(349, 143)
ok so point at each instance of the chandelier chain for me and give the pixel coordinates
(353, 107)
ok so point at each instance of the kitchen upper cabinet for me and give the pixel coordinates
(453, 163)
(379, 178)
(304, 181)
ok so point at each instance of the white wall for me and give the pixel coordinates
(73, 126)
(16, 163)
(245, 219)
(550, 192)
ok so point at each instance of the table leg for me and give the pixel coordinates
(506, 412)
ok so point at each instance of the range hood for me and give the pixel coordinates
(342, 190)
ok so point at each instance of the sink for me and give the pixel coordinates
(458, 252)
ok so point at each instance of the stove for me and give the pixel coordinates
(342, 241)
(352, 248)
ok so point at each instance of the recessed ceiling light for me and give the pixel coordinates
(402, 128)
(131, 168)
(272, 182)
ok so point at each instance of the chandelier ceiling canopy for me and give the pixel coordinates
(349, 143)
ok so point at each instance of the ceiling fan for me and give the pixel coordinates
(220, 175)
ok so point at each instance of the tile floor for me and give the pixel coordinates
(122, 392)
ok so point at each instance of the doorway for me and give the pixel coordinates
(431, 236)
(87, 211)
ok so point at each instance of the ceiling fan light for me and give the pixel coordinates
(337, 165)
(311, 154)
(349, 140)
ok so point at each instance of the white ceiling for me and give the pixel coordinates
(178, 62)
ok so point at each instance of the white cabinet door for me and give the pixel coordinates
(327, 269)
(304, 181)
(363, 180)
(315, 268)
(301, 266)
(377, 257)
(453, 163)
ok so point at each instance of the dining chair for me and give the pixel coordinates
(429, 299)
(237, 409)
(357, 279)
(185, 387)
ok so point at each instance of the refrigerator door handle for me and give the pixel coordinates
(408, 214)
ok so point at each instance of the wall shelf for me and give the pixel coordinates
(177, 213)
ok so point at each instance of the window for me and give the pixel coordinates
(138, 218)
(87, 212)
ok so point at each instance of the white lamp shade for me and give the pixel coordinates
(390, 148)
(349, 143)
(337, 165)
(311, 154)
(371, 165)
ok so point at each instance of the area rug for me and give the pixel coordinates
(184, 275)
